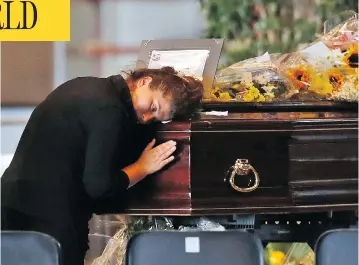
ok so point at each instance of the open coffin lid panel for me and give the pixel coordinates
(304, 154)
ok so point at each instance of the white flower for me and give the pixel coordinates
(348, 92)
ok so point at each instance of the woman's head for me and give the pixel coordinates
(161, 94)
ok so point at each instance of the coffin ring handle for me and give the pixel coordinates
(243, 168)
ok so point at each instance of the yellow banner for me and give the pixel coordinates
(35, 20)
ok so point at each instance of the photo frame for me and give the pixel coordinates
(198, 57)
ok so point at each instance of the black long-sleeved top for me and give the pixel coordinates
(72, 150)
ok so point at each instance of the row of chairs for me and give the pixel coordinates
(181, 248)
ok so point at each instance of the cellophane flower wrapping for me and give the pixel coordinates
(253, 80)
(328, 68)
(115, 250)
(288, 254)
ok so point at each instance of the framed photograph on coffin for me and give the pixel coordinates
(198, 57)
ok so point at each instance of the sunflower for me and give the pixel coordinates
(300, 76)
(224, 96)
(336, 78)
(253, 94)
(351, 56)
(321, 85)
(218, 93)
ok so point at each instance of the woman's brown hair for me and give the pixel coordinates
(186, 92)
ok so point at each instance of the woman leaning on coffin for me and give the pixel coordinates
(73, 153)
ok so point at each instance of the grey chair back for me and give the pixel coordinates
(194, 248)
(29, 248)
(337, 247)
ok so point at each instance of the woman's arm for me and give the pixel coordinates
(102, 175)
(106, 131)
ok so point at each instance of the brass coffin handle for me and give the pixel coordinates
(243, 168)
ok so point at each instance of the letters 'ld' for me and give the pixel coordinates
(8, 6)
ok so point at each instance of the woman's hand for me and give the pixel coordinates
(151, 160)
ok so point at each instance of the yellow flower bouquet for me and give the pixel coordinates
(328, 68)
(253, 80)
(334, 81)
(325, 70)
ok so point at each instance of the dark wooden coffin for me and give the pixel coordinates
(306, 158)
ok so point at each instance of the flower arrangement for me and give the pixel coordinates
(325, 70)
(334, 80)
(253, 80)
(249, 91)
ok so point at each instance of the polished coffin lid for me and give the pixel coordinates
(304, 153)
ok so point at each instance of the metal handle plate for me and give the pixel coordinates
(243, 168)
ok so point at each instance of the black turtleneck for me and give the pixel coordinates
(72, 151)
